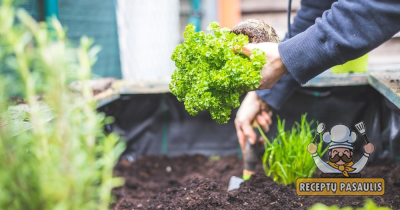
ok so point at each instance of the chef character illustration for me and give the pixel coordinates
(340, 151)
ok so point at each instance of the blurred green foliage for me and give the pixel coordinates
(54, 153)
(209, 75)
(369, 205)
(286, 157)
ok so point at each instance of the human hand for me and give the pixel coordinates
(312, 148)
(274, 69)
(369, 148)
(252, 109)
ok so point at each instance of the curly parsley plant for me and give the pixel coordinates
(209, 75)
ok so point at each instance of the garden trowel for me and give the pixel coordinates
(250, 159)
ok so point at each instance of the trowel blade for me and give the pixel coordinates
(234, 183)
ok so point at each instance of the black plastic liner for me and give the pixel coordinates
(158, 124)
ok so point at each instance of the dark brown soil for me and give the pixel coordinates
(198, 182)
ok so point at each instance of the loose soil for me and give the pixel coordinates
(199, 182)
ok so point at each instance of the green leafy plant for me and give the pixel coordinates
(54, 153)
(286, 157)
(369, 205)
(209, 75)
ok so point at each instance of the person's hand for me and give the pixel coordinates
(252, 109)
(369, 148)
(312, 148)
(274, 69)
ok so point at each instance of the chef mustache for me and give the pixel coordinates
(336, 158)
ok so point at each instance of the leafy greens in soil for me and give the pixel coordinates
(209, 75)
(286, 157)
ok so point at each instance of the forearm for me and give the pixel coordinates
(347, 31)
(306, 15)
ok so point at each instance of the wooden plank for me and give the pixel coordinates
(126, 87)
(388, 84)
(257, 6)
(121, 87)
(106, 97)
(328, 79)
(387, 53)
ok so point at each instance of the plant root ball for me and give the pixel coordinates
(257, 31)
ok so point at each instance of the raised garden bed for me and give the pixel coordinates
(199, 182)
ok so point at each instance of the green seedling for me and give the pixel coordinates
(369, 205)
(214, 158)
(286, 157)
(209, 75)
(54, 153)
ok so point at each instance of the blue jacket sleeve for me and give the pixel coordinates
(282, 90)
(350, 29)
(306, 15)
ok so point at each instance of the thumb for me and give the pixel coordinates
(249, 133)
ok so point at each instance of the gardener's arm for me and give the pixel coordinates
(305, 17)
(252, 108)
(347, 31)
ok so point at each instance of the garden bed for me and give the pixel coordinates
(199, 182)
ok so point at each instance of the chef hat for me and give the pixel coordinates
(340, 136)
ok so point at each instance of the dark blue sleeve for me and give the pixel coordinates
(306, 15)
(350, 29)
(282, 90)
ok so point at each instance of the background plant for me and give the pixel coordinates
(54, 153)
(209, 75)
(286, 157)
(369, 205)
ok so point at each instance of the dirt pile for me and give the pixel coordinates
(198, 182)
(208, 194)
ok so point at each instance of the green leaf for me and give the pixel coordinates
(209, 75)
(286, 156)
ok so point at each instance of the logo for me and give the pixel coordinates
(341, 174)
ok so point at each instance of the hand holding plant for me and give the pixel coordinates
(252, 109)
(274, 69)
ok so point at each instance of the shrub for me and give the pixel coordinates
(286, 157)
(54, 153)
